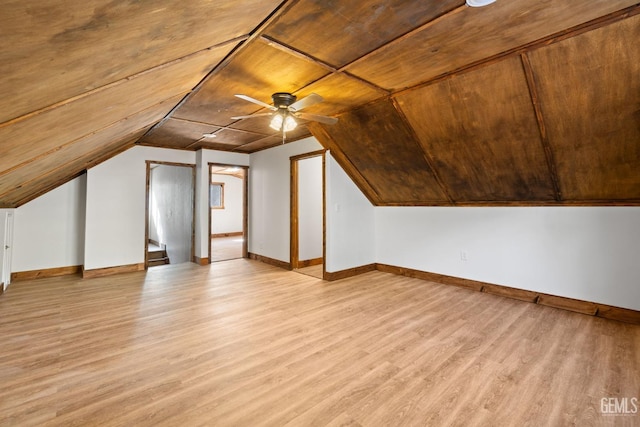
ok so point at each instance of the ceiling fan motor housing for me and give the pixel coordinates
(283, 99)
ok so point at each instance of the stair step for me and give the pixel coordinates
(158, 261)
(157, 254)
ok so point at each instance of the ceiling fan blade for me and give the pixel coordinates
(251, 116)
(255, 101)
(317, 118)
(311, 99)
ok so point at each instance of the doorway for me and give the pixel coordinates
(6, 238)
(307, 246)
(228, 188)
(170, 225)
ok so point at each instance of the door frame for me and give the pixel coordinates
(245, 206)
(146, 208)
(294, 244)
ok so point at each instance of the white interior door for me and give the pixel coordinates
(6, 239)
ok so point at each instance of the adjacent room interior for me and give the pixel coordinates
(228, 202)
(297, 212)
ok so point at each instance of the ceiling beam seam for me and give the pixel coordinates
(408, 34)
(215, 70)
(239, 148)
(544, 138)
(299, 54)
(279, 142)
(191, 121)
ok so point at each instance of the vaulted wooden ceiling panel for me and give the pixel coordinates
(28, 180)
(257, 71)
(61, 49)
(480, 130)
(36, 177)
(72, 169)
(469, 34)
(34, 135)
(589, 88)
(234, 138)
(257, 129)
(419, 94)
(176, 133)
(341, 93)
(376, 140)
(258, 125)
(338, 32)
(261, 144)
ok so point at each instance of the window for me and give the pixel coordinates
(216, 195)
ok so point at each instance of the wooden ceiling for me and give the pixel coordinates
(516, 103)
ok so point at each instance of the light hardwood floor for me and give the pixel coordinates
(242, 343)
(313, 271)
(226, 248)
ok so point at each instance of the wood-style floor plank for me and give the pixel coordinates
(244, 343)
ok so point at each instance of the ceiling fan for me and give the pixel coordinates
(285, 109)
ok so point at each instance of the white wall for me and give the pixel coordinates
(171, 190)
(229, 219)
(49, 230)
(310, 210)
(587, 253)
(350, 222)
(269, 198)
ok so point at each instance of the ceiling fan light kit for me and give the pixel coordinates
(479, 3)
(285, 109)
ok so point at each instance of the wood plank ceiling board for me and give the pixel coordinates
(85, 149)
(338, 32)
(469, 35)
(210, 144)
(589, 87)
(341, 93)
(26, 138)
(233, 138)
(258, 71)
(176, 133)
(261, 144)
(319, 132)
(258, 124)
(377, 141)
(480, 130)
(70, 169)
(58, 49)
